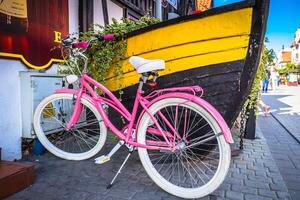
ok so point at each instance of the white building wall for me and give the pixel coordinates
(297, 35)
(98, 13)
(295, 49)
(73, 16)
(10, 109)
(114, 11)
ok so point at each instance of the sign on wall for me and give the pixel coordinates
(173, 3)
(30, 30)
(202, 5)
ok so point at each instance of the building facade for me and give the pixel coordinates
(80, 14)
(26, 36)
(295, 47)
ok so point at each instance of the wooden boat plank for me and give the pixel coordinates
(217, 26)
(210, 12)
(192, 49)
(183, 64)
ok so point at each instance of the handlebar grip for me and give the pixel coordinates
(106, 37)
(82, 45)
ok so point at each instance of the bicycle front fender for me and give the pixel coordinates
(74, 92)
(215, 114)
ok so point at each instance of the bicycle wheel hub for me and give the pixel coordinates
(181, 145)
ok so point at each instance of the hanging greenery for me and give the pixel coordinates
(105, 55)
(267, 57)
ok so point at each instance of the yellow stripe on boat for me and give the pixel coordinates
(187, 45)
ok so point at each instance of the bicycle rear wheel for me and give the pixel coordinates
(82, 141)
(202, 160)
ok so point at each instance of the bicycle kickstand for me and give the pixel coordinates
(104, 158)
(119, 171)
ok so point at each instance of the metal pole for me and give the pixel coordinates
(158, 9)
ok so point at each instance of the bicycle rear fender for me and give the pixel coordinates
(215, 114)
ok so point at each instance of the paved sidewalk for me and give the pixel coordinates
(285, 151)
(253, 175)
(285, 107)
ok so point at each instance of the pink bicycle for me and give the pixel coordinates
(182, 141)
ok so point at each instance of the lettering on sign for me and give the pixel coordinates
(57, 36)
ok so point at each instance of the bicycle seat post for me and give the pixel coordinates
(143, 80)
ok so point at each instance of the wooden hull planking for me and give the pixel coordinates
(218, 50)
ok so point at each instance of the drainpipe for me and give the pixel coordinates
(158, 9)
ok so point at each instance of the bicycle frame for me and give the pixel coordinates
(113, 102)
(126, 134)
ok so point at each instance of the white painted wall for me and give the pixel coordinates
(114, 11)
(73, 16)
(98, 14)
(296, 51)
(10, 109)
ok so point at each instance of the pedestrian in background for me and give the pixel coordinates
(265, 81)
(274, 79)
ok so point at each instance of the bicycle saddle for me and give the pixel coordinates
(143, 65)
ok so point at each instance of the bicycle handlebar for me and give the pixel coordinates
(72, 45)
(70, 42)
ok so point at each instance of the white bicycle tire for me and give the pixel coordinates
(163, 183)
(53, 149)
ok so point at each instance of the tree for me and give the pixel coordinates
(291, 66)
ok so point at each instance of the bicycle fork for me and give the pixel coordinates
(76, 113)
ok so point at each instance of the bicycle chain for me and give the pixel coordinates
(242, 128)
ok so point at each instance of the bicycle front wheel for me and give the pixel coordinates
(202, 158)
(82, 141)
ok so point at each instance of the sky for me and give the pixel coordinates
(283, 21)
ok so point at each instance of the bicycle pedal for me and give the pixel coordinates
(102, 159)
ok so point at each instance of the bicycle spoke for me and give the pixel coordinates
(205, 164)
(190, 134)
